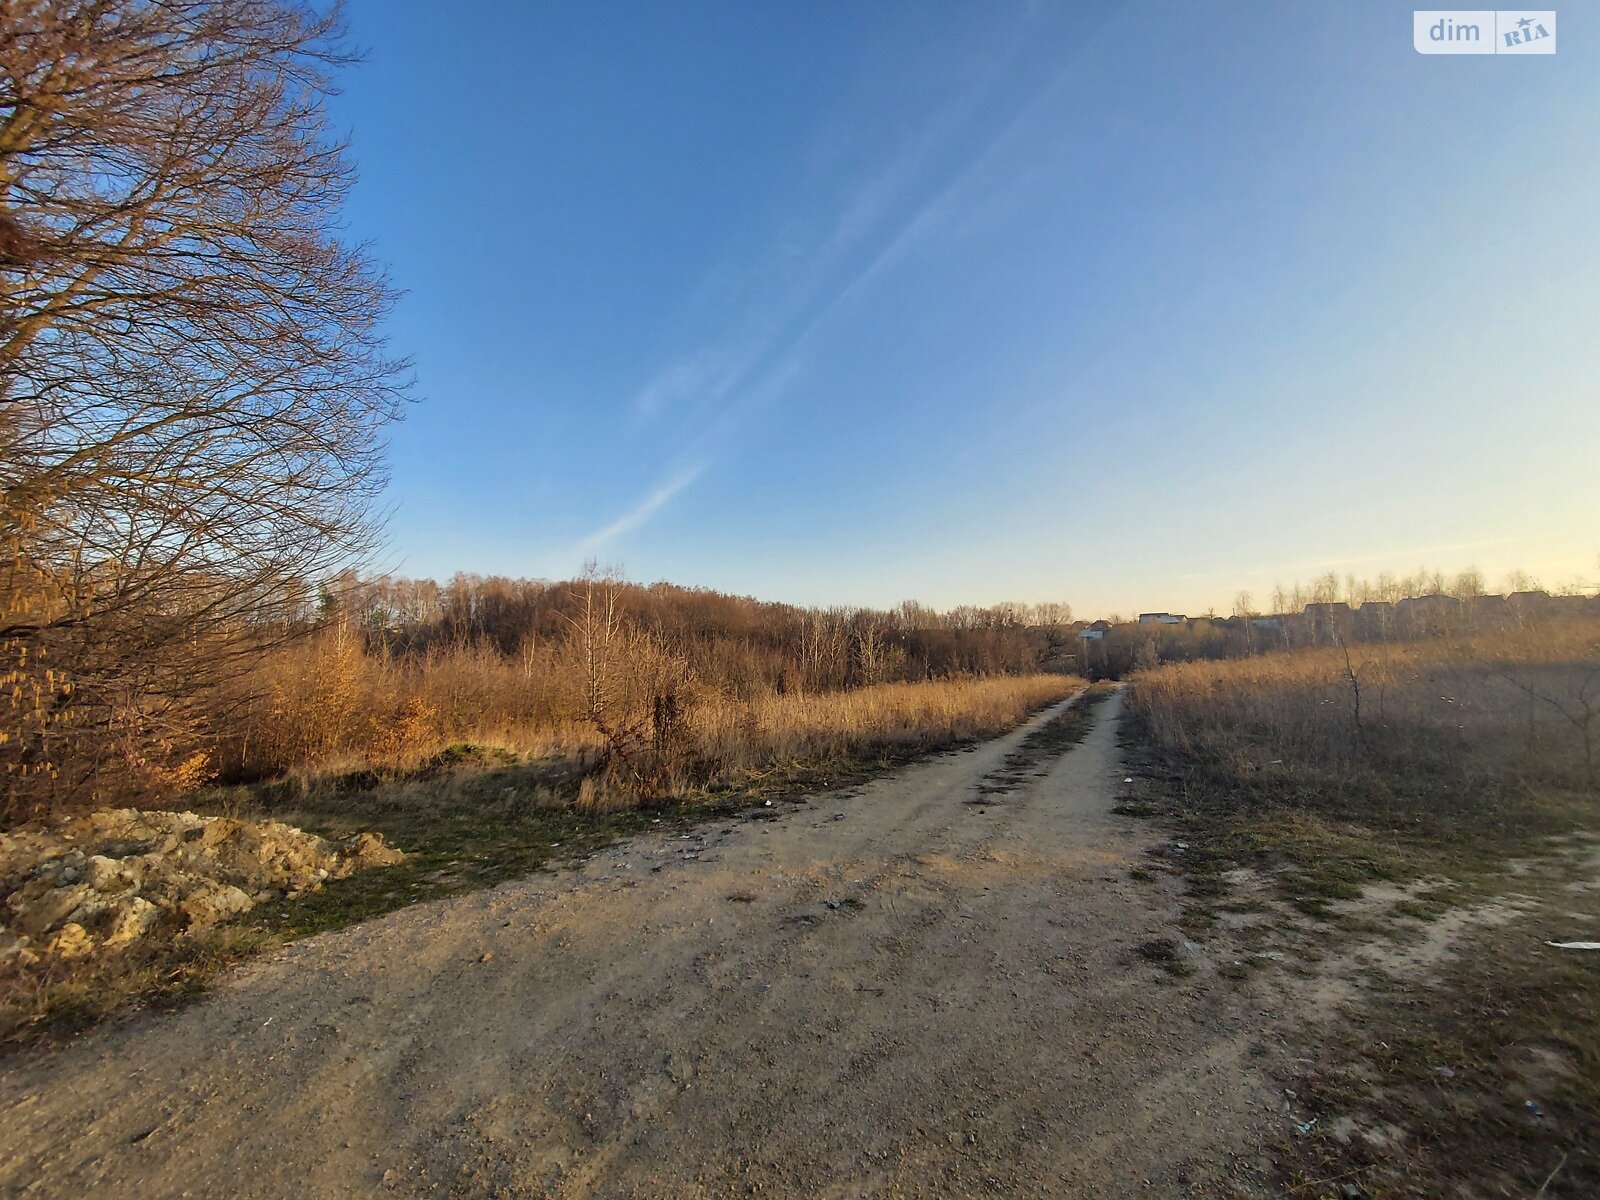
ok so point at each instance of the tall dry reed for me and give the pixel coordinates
(328, 706)
(1489, 734)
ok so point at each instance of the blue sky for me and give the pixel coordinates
(1131, 305)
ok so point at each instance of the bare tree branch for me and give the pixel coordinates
(192, 381)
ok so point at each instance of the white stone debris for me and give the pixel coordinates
(82, 885)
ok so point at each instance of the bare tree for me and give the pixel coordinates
(870, 652)
(1052, 614)
(824, 648)
(192, 383)
(600, 639)
(1352, 675)
(1244, 613)
(635, 692)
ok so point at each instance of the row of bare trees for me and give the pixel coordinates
(1387, 588)
(743, 646)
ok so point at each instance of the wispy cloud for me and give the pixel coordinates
(776, 308)
(717, 385)
(642, 511)
(706, 375)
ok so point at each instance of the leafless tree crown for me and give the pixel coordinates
(192, 381)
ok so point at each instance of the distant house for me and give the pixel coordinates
(1095, 632)
(1424, 612)
(1327, 609)
(1270, 623)
(1490, 610)
(1528, 604)
(1161, 618)
(1327, 618)
(1375, 616)
(1435, 603)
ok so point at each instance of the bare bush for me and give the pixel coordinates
(634, 692)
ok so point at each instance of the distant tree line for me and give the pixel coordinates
(741, 645)
(1332, 611)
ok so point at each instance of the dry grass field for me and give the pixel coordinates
(1403, 829)
(329, 708)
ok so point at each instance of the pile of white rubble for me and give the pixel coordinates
(82, 885)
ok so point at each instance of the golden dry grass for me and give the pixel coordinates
(1442, 757)
(328, 707)
(742, 735)
(471, 817)
(1501, 708)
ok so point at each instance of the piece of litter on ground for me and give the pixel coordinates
(1574, 945)
(1308, 1126)
(1533, 1107)
(768, 803)
(1127, 779)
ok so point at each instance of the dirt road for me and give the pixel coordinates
(888, 992)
